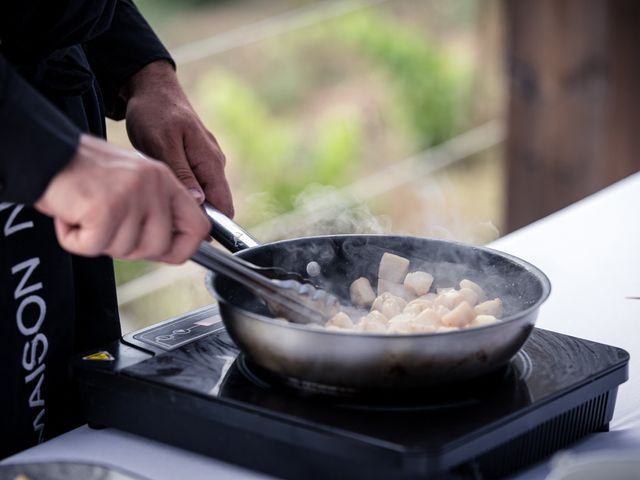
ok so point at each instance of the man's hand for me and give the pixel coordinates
(162, 124)
(113, 201)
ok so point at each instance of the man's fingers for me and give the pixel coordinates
(127, 236)
(190, 227)
(172, 152)
(182, 248)
(155, 238)
(88, 239)
(68, 235)
(207, 163)
(216, 189)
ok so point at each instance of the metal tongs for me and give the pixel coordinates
(297, 301)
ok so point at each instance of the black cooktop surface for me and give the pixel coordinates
(555, 390)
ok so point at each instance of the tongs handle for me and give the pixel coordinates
(228, 233)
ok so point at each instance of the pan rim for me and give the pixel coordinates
(527, 266)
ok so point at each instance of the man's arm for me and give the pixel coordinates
(36, 139)
(103, 199)
(138, 79)
(124, 49)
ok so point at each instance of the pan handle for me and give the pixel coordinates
(229, 234)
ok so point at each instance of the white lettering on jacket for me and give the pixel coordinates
(22, 289)
(11, 227)
(30, 315)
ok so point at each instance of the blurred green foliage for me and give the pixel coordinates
(433, 89)
(283, 148)
(277, 154)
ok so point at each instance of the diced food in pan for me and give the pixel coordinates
(393, 268)
(406, 303)
(444, 329)
(417, 306)
(402, 323)
(441, 290)
(461, 316)
(362, 294)
(340, 320)
(468, 295)
(448, 298)
(441, 310)
(482, 320)
(377, 316)
(389, 304)
(372, 323)
(475, 287)
(426, 321)
(490, 307)
(418, 283)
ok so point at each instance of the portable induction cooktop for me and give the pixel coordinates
(184, 382)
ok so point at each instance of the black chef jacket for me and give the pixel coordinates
(61, 67)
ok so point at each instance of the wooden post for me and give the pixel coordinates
(574, 108)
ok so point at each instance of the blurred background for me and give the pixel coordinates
(453, 119)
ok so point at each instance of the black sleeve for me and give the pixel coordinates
(127, 46)
(36, 139)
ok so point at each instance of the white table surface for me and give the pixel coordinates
(591, 253)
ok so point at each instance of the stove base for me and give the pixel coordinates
(206, 434)
(194, 395)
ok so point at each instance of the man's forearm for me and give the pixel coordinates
(157, 76)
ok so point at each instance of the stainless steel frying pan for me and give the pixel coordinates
(319, 358)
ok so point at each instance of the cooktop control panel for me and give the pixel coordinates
(176, 332)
